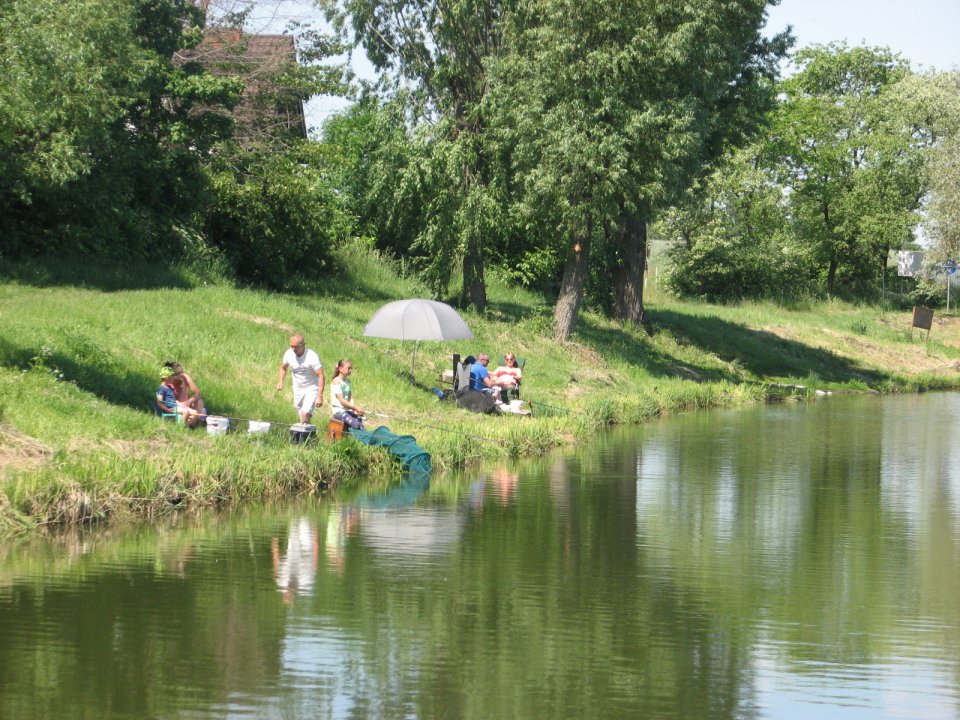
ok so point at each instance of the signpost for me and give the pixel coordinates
(923, 319)
(949, 267)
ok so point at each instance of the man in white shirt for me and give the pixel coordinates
(308, 378)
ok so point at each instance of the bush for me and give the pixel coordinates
(276, 217)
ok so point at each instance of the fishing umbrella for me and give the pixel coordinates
(417, 320)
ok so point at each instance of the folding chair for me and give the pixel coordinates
(468, 399)
(513, 393)
(165, 414)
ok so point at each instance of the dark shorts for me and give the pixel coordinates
(349, 419)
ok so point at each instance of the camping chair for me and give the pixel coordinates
(514, 393)
(468, 399)
(165, 414)
(461, 377)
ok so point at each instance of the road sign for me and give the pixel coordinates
(950, 266)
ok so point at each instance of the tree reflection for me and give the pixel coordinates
(687, 570)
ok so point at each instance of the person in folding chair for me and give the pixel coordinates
(508, 376)
(468, 398)
(480, 379)
(166, 399)
(342, 405)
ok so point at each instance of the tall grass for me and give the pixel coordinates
(79, 358)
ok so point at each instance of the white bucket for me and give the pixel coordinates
(258, 426)
(217, 425)
(516, 405)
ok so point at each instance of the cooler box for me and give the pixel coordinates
(302, 432)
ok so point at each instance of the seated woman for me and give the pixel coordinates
(167, 402)
(509, 375)
(342, 406)
(187, 393)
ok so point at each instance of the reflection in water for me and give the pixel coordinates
(296, 570)
(341, 524)
(790, 561)
(504, 484)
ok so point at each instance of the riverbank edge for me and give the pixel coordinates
(103, 487)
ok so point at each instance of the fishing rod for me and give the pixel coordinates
(270, 424)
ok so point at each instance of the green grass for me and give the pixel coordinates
(79, 350)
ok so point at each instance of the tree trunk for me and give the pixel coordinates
(571, 287)
(628, 300)
(474, 283)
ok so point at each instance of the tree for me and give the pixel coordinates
(616, 109)
(275, 216)
(440, 51)
(731, 235)
(849, 160)
(101, 137)
(931, 104)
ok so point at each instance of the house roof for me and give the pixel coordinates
(261, 61)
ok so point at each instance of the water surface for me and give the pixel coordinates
(791, 561)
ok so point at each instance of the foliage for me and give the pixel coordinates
(732, 238)
(614, 115)
(931, 102)
(817, 203)
(100, 140)
(377, 173)
(275, 215)
(850, 164)
(441, 55)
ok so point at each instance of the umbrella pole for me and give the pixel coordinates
(413, 360)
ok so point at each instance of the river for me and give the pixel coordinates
(788, 561)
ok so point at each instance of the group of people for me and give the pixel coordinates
(504, 378)
(309, 381)
(178, 393)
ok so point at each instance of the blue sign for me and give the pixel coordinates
(950, 266)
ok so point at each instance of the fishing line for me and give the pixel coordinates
(236, 420)
(540, 403)
(436, 427)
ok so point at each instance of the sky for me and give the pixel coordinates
(925, 32)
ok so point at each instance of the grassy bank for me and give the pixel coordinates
(79, 350)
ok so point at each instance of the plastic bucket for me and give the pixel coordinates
(258, 426)
(516, 405)
(302, 432)
(217, 425)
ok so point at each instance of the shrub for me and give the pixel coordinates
(276, 217)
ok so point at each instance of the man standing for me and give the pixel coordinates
(308, 378)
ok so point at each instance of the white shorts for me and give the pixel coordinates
(305, 400)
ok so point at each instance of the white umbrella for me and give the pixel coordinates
(417, 320)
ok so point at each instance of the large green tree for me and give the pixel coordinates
(439, 50)
(101, 135)
(849, 160)
(819, 200)
(930, 106)
(616, 109)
